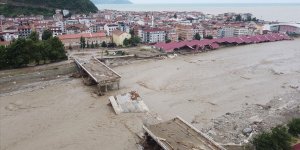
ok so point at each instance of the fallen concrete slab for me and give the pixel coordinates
(128, 103)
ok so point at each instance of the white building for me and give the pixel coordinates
(109, 28)
(242, 31)
(9, 35)
(226, 32)
(153, 35)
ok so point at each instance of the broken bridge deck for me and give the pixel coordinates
(178, 134)
(100, 73)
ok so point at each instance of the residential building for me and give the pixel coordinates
(24, 31)
(123, 27)
(226, 32)
(110, 27)
(76, 28)
(56, 31)
(152, 35)
(241, 31)
(9, 35)
(185, 32)
(171, 34)
(118, 37)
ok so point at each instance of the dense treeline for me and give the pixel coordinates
(77, 6)
(22, 52)
(14, 11)
(14, 8)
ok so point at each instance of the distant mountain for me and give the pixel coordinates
(111, 2)
(44, 7)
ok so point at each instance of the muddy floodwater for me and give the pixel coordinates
(200, 87)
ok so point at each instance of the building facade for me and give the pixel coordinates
(118, 37)
(153, 35)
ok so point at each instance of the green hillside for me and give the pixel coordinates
(111, 2)
(45, 7)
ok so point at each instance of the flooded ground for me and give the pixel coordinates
(197, 88)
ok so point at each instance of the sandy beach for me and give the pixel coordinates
(200, 87)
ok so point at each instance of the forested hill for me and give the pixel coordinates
(111, 2)
(44, 7)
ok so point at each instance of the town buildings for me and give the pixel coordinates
(151, 27)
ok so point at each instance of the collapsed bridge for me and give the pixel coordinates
(99, 73)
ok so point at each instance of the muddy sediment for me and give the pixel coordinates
(202, 89)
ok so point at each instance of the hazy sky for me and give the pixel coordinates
(215, 1)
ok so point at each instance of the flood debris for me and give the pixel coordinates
(239, 127)
(294, 86)
(130, 102)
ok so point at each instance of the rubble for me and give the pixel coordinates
(294, 86)
(241, 126)
(247, 131)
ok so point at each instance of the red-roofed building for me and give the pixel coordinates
(296, 147)
(214, 43)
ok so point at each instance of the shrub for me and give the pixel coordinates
(294, 127)
(263, 141)
(277, 139)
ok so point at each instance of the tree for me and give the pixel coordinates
(135, 40)
(47, 34)
(238, 18)
(175, 16)
(87, 44)
(277, 139)
(126, 42)
(254, 19)
(209, 37)
(97, 45)
(168, 41)
(131, 32)
(263, 141)
(36, 52)
(197, 36)
(82, 42)
(3, 57)
(103, 44)
(70, 47)
(111, 45)
(21, 52)
(57, 51)
(92, 45)
(34, 36)
(281, 138)
(294, 127)
(249, 18)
